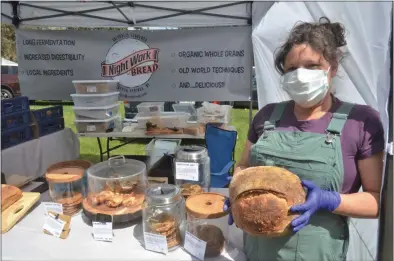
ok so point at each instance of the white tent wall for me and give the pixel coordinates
(363, 77)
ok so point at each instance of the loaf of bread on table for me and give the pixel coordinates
(9, 195)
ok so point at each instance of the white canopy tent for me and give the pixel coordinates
(7, 62)
(364, 76)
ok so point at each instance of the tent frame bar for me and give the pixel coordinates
(16, 20)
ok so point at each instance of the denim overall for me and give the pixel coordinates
(311, 156)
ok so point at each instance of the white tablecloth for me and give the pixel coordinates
(26, 241)
(32, 158)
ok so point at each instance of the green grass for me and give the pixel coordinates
(89, 148)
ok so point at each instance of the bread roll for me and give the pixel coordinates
(9, 195)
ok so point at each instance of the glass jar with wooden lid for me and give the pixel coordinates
(66, 187)
(207, 221)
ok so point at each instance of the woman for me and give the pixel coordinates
(333, 146)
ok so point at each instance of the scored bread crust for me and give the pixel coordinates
(9, 195)
(261, 198)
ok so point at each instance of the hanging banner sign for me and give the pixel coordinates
(199, 64)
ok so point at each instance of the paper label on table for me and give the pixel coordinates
(186, 171)
(91, 127)
(53, 225)
(91, 89)
(156, 243)
(195, 246)
(102, 231)
(53, 207)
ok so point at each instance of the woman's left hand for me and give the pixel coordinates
(317, 199)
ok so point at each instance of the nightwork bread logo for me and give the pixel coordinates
(131, 61)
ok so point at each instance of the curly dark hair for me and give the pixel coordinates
(324, 37)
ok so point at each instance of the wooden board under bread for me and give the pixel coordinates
(11, 215)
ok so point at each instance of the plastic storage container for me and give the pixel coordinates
(163, 119)
(16, 104)
(116, 187)
(158, 147)
(95, 100)
(99, 113)
(95, 86)
(164, 215)
(48, 113)
(218, 115)
(15, 119)
(150, 107)
(96, 126)
(185, 107)
(192, 170)
(66, 187)
(207, 221)
(16, 136)
(49, 126)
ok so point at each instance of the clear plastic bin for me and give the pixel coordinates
(97, 126)
(99, 113)
(162, 147)
(95, 86)
(95, 100)
(220, 118)
(163, 119)
(150, 107)
(185, 107)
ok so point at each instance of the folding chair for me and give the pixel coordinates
(220, 144)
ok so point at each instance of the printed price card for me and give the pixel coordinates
(102, 231)
(91, 89)
(53, 225)
(195, 246)
(186, 171)
(156, 243)
(53, 207)
(91, 127)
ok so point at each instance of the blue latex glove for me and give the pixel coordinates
(317, 199)
(226, 207)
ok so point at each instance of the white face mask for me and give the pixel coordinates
(306, 87)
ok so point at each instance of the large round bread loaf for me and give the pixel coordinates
(261, 198)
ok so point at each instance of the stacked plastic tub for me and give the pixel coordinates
(96, 106)
(15, 122)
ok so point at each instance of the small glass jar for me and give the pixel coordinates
(192, 170)
(164, 214)
(207, 221)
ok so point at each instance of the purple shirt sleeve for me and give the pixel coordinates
(258, 121)
(371, 134)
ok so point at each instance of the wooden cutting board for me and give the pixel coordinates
(16, 211)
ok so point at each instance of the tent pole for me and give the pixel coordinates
(385, 240)
(15, 17)
(65, 13)
(251, 72)
(196, 12)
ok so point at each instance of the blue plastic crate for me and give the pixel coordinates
(49, 126)
(16, 136)
(48, 113)
(17, 104)
(15, 119)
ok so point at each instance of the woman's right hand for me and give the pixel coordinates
(226, 207)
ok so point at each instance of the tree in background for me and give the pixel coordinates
(8, 47)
